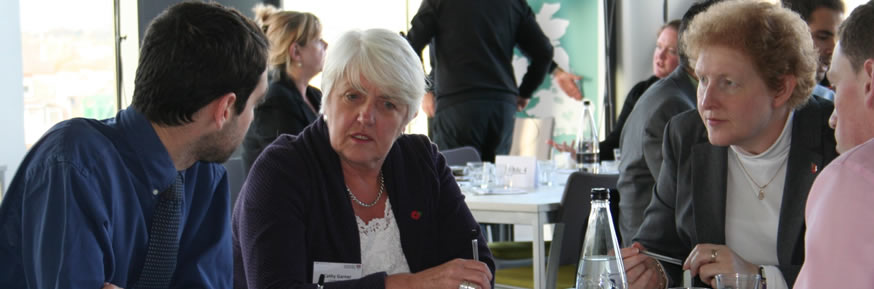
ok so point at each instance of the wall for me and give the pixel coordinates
(639, 22)
(676, 8)
(12, 102)
(574, 28)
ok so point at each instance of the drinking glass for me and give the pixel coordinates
(500, 177)
(544, 172)
(488, 176)
(738, 281)
(474, 173)
(564, 160)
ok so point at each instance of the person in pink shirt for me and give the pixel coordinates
(840, 250)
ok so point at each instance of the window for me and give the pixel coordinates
(852, 4)
(68, 60)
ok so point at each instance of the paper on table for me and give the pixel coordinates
(519, 170)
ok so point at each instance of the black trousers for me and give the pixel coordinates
(484, 124)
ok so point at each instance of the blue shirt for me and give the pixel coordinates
(78, 210)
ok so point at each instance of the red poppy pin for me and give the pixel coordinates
(813, 168)
(416, 215)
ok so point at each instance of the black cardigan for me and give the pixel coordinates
(294, 210)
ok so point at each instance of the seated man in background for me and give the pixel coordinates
(140, 200)
(823, 18)
(839, 249)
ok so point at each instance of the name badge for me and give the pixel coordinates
(336, 271)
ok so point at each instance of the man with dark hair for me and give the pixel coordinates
(823, 18)
(838, 213)
(641, 137)
(139, 200)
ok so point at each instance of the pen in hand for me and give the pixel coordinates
(474, 242)
(663, 258)
(321, 283)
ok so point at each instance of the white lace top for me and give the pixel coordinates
(381, 245)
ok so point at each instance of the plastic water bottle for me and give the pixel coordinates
(587, 141)
(600, 262)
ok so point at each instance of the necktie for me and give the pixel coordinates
(163, 247)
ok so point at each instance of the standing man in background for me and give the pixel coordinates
(823, 18)
(140, 200)
(476, 93)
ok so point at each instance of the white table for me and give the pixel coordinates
(533, 208)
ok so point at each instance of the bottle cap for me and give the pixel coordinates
(587, 102)
(600, 194)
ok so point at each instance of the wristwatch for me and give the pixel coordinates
(762, 273)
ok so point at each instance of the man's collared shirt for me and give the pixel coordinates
(78, 210)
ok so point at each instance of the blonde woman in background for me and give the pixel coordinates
(297, 54)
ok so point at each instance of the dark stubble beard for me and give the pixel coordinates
(218, 147)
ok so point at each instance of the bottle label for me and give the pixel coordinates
(587, 158)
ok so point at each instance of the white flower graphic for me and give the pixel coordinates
(552, 102)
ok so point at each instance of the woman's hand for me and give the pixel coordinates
(449, 275)
(110, 286)
(562, 147)
(708, 260)
(642, 271)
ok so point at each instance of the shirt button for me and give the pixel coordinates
(155, 192)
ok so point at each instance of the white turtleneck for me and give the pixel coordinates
(751, 224)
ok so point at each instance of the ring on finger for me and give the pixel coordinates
(466, 285)
(713, 254)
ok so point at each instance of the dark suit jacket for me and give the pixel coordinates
(611, 141)
(283, 111)
(688, 204)
(294, 209)
(641, 145)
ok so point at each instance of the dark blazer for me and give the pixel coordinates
(294, 209)
(688, 204)
(641, 145)
(283, 111)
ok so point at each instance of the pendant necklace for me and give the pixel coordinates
(761, 194)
